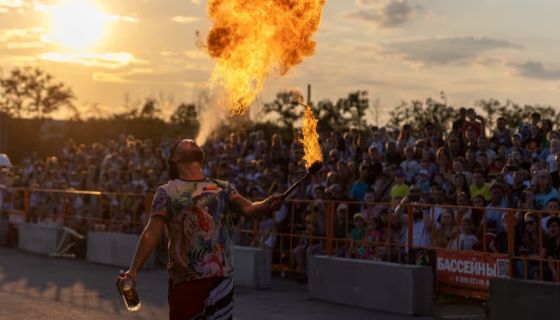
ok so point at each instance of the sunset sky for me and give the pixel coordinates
(395, 49)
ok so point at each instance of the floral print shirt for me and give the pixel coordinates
(198, 226)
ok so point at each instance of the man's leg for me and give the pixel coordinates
(188, 300)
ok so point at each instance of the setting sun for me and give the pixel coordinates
(76, 24)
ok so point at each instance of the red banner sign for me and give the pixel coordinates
(469, 270)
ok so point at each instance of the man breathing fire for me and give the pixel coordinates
(196, 213)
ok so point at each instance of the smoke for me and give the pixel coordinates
(210, 118)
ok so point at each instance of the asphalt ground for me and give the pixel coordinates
(37, 287)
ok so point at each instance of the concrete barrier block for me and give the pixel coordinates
(391, 287)
(39, 238)
(115, 249)
(252, 267)
(512, 299)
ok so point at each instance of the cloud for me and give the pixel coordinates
(144, 75)
(24, 38)
(6, 5)
(191, 59)
(128, 19)
(185, 19)
(442, 51)
(112, 60)
(7, 35)
(537, 70)
(385, 13)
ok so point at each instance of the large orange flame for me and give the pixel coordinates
(251, 38)
(310, 139)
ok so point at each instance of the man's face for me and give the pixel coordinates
(188, 151)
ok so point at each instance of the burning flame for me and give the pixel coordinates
(310, 140)
(251, 38)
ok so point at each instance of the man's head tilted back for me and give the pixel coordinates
(185, 152)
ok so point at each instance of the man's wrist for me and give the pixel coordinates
(133, 273)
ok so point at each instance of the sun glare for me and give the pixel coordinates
(76, 24)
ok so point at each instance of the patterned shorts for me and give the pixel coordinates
(209, 298)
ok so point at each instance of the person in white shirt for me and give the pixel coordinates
(409, 166)
(467, 240)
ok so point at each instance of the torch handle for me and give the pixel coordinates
(294, 186)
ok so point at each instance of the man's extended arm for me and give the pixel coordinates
(255, 209)
(146, 245)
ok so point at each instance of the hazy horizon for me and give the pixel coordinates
(395, 49)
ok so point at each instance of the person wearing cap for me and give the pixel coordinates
(423, 181)
(195, 211)
(357, 247)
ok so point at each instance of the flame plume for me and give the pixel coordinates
(310, 140)
(251, 38)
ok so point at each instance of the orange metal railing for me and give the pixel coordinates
(328, 232)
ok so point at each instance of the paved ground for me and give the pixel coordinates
(37, 287)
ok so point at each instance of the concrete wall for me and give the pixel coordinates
(252, 267)
(115, 249)
(391, 287)
(512, 299)
(38, 238)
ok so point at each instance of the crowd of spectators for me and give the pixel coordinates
(362, 195)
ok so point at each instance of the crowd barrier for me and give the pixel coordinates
(406, 289)
(290, 243)
(115, 249)
(523, 299)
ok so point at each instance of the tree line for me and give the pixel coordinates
(31, 92)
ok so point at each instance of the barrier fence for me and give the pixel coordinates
(465, 246)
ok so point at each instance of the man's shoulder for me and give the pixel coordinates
(224, 184)
(163, 187)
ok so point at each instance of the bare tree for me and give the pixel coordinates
(32, 91)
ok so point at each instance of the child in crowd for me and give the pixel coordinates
(357, 238)
(467, 239)
(374, 237)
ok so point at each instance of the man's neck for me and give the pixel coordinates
(191, 173)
